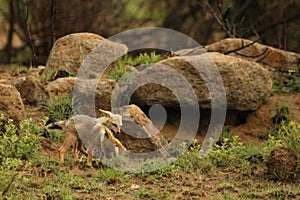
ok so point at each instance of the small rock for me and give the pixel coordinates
(138, 134)
(31, 90)
(134, 187)
(11, 104)
(61, 86)
(282, 164)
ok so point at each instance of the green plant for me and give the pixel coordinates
(226, 134)
(54, 135)
(60, 108)
(48, 75)
(282, 114)
(177, 150)
(22, 143)
(289, 84)
(229, 153)
(110, 174)
(147, 194)
(288, 135)
(190, 159)
(157, 168)
(120, 71)
(146, 59)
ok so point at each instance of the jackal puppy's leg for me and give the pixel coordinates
(113, 139)
(90, 159)
(70, 140)
(75, 151)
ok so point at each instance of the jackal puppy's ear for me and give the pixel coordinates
(107, 112)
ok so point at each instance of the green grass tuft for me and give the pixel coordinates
(143, 59)
(60, 108)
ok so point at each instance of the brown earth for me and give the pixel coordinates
(182, 184)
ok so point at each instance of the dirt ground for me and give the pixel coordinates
(218, 184)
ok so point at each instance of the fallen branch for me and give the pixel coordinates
(254, 56)
(242, 47)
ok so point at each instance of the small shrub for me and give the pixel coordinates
(226, 134)
(20, 144)
(190, 159)
(229, 153)
(288, 135)
(60, 108)
(177, 150)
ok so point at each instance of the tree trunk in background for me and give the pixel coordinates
(8, 46)
(53, 20)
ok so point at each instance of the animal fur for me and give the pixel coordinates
(92, 133)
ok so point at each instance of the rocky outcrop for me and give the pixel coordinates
(69, 52)
(270, 57)
(138, 134)
(247, 84)
(11, 104)
(32, 91)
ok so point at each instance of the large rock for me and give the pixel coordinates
(268, 56)
(69, 52)
(32, 91)
(11, 104)
(138, 134)
(247, 84)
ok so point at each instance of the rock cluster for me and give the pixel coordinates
(231, 72)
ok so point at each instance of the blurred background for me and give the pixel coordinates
(30, 27)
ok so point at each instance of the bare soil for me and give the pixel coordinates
(217, 184)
